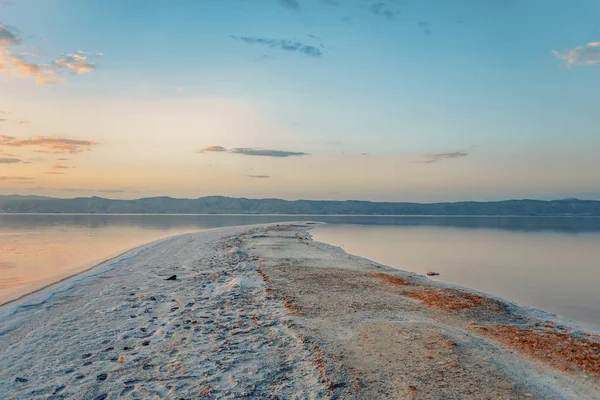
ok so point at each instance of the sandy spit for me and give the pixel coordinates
(265, 312)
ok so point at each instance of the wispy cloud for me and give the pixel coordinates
(6, 116)
(212, 149)
(78, 62)
(267, 152)
(247, 151)
(17, 66)
(381, 9)
(5, 160)
(15, 178)
(77, 190)
(259, 176)
(435, 158)
(51, 144)
(60, 166)
(6, 154)
(425, 27)
(290, 4)
(264, 57)
(55, 173)
(282, 44)
(582, 55)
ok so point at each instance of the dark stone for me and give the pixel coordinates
(148, 366)
(174, 309)
(171, 278)
(146, 343)
(132, 316)
(102, 376)
(21, 380)
(108, 349)
(70, 370)
(144, 329)
(86, 355)
(153, 298)
(103, 396)
(87, 363)
(127, 348)
(80, 376)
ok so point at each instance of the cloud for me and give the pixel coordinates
(212, 149)
(60, 166)
(425, 27)
(76, 190)
(246, 151)
(8, 38)
(582, 55)
(381, 9)
(259, 176)
(15, 178)
(310, 35)
(6, 116)
(291, 4)
(16, 66)
(282, 44)
(266, 152)
(4, 160)
(50, 144)
(265, 57)
(62, 159)
(6, 154)
(78, 62)
(55, 173)
(434, 158)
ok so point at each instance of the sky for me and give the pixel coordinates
(407, 100)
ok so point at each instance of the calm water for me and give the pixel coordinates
(549, 263)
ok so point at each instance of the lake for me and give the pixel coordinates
(549, 263)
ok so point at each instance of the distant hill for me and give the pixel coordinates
(229, 205)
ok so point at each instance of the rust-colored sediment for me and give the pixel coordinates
(264, 276)
(452, 300)
(394, 280)
(562, 351)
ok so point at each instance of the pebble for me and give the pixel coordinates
(21, 380)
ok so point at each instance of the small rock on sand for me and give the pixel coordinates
(433, 273)
(171, 278)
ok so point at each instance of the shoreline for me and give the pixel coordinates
(86, 269)
(263, 310)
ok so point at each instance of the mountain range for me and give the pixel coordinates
(230, 205)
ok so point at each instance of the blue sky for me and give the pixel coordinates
(387, 100)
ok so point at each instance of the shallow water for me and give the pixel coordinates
(556, 270)
(549, 263)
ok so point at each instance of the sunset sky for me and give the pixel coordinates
(408, 100)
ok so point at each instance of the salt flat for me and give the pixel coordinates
(265, 312)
